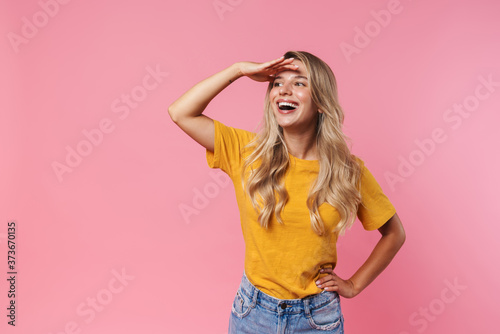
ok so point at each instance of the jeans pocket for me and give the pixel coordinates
(242, 304)
(327, 317)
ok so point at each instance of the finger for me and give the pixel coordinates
(283, 67)
(329, 283)
(285, 61)
(330, 271)
(332, 288)
(327, 280)
(329, 286)
(273, 69)
(279, 62)
(274, 61)
(287, 68)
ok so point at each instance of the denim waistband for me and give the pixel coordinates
(285, 305)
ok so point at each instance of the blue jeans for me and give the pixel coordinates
(255, 312)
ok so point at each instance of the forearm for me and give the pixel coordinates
(193, 102)
(379, 259)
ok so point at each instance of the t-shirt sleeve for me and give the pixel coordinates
(375, 208)
(228, 145)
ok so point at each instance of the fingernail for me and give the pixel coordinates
(318, 282)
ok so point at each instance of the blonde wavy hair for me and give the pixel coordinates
(339, 171)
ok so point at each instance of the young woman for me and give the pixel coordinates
(298, 187)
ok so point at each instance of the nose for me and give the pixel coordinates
(285, 89)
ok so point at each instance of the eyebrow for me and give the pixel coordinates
(295, 76)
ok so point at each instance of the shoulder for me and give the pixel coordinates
(360, 162)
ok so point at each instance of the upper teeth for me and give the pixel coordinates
(287, 104)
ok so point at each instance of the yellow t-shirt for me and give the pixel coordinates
(284, 260)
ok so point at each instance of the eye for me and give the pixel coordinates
(276, 84)
(300, 84)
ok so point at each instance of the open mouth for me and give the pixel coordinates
(287, 106)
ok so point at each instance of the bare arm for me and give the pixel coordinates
(393, 237)
(187, 110)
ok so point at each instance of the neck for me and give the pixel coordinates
(301, 145)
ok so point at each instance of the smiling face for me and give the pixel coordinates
(291, 100)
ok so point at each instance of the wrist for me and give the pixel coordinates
(235, 72)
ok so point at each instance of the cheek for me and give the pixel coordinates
(273, 92)
(304, 97)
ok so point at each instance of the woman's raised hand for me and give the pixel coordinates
(266, 71)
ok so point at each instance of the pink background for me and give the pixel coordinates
(119, 209)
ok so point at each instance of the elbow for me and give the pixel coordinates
(402, 238)
(172, 114)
